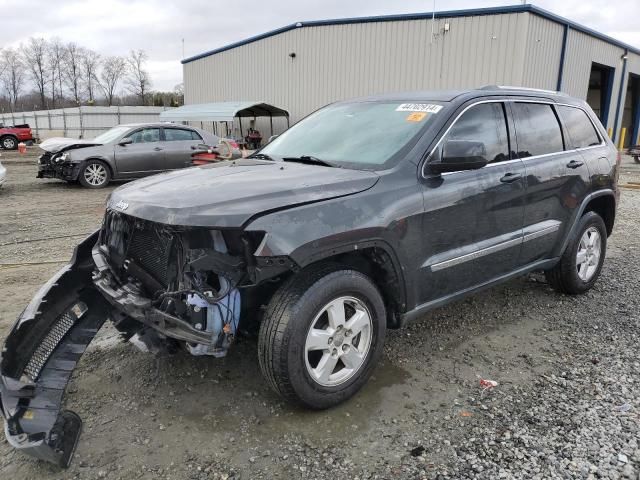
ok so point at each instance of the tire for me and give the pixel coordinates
(571, 276)
(636, 159)
(290, 361)
(94, 174)
(9, 143)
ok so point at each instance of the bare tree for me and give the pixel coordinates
(89, 65)
(55, 59)
(138, 81)
(11, 74)
(73, 69)
(113, 70)
(35, 57)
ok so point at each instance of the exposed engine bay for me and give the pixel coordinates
(181, 283)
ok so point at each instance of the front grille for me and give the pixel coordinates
(148, 245)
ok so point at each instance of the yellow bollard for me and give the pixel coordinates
(623, 133)
(610, 132)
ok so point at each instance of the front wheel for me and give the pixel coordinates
(580, 265)
(322, 335)
(94, 174)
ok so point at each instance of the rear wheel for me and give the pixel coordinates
(94, 174)
(322, 336)
(9, 143)
(581, 263)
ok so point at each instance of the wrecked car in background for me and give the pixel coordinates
(123, 153)
(361, 217)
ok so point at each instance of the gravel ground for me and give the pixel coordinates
(567, 404)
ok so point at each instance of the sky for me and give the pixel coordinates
(114, 27)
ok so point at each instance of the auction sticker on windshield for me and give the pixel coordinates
(416, 117)
(419, 107)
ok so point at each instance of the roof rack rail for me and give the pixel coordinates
(528, 89)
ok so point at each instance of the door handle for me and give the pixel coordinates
(511, 177)
(157, 149)
(575, 164)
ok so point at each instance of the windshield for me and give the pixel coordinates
(358, 135)
(111, 135)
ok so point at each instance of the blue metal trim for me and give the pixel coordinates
(636, 119)
(606, 104)
(423, 16)
(622, 79)
(565, 38)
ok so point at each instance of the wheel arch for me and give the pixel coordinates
(599, 201)
(377, 259)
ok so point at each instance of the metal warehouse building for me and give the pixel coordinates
(304, 66)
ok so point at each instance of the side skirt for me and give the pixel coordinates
(420, 310)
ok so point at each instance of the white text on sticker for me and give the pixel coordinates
(419, 107)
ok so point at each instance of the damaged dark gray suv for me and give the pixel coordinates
(361, 217)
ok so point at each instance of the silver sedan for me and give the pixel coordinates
(122, 153)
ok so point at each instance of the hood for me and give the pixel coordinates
(229, 194)
(60, 144)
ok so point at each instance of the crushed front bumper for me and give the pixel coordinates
(40, 354)
(47, 168)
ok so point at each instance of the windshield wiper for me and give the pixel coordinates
(311, 160)
(261, 156)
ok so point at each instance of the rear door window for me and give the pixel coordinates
(180, 135)
(537, 129)
(582, 133)
(485, 124)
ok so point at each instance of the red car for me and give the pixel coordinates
(11, 136)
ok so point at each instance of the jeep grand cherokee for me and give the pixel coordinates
(362, 217)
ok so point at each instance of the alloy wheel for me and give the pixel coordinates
(588, 255)
(9, 143)
(95, 174)
(338, 341)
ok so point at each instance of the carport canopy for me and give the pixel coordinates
(222, 112)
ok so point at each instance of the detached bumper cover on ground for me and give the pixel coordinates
(40, 355)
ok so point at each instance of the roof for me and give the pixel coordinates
(424, 16)
(222, 111)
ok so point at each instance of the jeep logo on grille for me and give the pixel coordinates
(122, 205)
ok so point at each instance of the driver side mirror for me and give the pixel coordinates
(125, 141)
(458, 155)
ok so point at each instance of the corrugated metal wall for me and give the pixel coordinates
(334, 62)
(340, 61)
(542, 54)
(82, 122)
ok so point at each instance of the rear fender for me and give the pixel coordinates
(40, 354)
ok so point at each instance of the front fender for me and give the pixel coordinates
(40, 354)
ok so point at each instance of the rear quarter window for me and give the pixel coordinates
(537, 129)
(582, 133)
